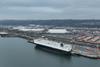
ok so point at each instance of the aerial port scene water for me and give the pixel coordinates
(49, 33)
(53, 45)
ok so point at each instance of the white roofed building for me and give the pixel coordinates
(33, 30)
(58, 31)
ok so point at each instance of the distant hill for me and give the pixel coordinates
(72, 23)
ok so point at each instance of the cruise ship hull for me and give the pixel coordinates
(46, 48)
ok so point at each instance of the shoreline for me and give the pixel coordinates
(72, 53)
(76, 50)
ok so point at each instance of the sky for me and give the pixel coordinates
(49, 9)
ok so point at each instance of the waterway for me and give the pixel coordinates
(16, 52)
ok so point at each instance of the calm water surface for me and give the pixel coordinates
(16, 52)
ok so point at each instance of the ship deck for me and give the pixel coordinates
(53, 44)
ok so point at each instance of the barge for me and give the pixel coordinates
(54, 46)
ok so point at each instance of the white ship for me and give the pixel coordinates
(53, 45)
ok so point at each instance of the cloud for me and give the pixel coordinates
(49, 9)
(34, 3)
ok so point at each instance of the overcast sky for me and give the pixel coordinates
(49, 9)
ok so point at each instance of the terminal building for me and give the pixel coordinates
(57, 31)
